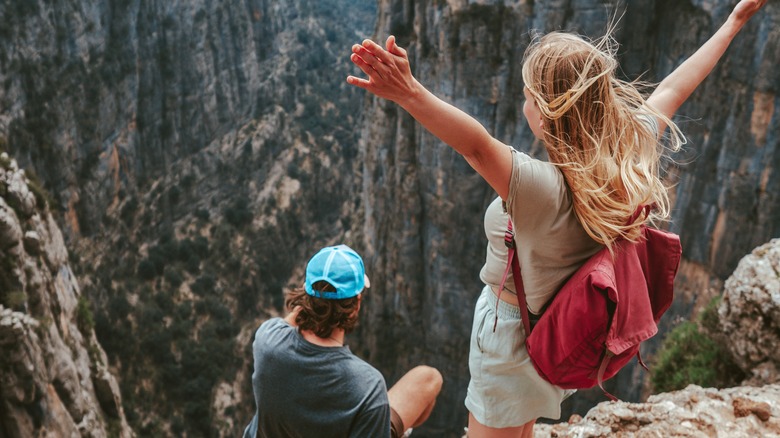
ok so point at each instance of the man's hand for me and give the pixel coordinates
(389, 73)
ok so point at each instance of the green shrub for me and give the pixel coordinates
(238, 213)
(84, 319)
(147, 269)
(164, 300)
(202, 214)
(173, 276)
(42, 197)
(14, 300)
(691, 354)
(128, 211)
(118, 307)
(204, 285)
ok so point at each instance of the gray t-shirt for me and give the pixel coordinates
(306, 390)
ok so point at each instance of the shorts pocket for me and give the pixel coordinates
(480, 333)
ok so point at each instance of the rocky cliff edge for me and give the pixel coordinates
(54, 378)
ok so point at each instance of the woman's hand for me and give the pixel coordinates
(678, 86)
(746, 9)
(389, 73)
(390, 77)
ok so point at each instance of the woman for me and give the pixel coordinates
(602, 139)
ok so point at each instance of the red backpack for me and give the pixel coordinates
(594, 324)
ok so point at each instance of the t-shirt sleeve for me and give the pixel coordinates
(534, 191)
(373, 422)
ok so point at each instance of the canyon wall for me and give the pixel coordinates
(195, 153)
(56, 380)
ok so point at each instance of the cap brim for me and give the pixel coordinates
(368, 283)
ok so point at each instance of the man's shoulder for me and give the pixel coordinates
(272, 328)
(361, 365)
(363, 370)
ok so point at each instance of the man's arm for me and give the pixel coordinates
(390, 77)
(675, 89)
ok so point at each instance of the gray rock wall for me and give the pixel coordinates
(155, 122)
(54, 376)
(120, 103)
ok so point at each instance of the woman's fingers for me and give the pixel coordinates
(377, 50)
(367, 67)
(362, 64)
(389, 75)
(393, 48)
(358, 82)
(747, 8)
(368, 57)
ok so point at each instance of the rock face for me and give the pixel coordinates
(750, 313)
(159, 124)
(54, 376)
(743, 412)
(195, 154)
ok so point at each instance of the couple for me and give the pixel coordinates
(603, 139)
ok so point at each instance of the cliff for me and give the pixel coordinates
(742, 412)
(196, 153)
(56, 380)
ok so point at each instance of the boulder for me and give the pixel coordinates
(750, 314)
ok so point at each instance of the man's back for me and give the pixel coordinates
(305, 390)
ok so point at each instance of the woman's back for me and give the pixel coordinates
(551, 243)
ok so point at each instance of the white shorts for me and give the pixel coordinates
(505, 390)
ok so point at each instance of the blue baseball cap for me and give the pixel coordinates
(340, 266)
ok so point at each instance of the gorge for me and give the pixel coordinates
(194, 154)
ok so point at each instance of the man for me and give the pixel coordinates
(307, 383)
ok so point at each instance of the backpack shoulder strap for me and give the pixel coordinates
(513, 264)
(521, 301)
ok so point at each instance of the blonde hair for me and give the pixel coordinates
(594, 132)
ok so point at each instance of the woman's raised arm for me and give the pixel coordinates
(390, 77)
(675, 89)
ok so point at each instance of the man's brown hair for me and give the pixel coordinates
(321, 315)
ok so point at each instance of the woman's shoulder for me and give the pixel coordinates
(534, 167)
(535, 178)
(537, 192)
